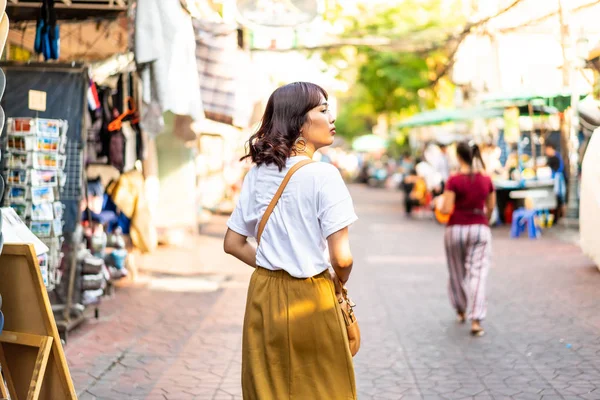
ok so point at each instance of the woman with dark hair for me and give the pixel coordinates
(295, 344)
(470, 199)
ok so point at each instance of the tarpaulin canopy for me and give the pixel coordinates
(559, 100)
(440, 116)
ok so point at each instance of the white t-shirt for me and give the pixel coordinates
(314, 204)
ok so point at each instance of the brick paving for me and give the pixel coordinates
(177, 333)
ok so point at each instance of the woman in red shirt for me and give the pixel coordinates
(470, 198)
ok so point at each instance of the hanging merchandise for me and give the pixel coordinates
(114, 135)
(165, 54)
(128, 196)
(92, 96)
(230, 82)
(53, 33)
(47, 32)
(40, 30)
(122, 153)
(35, 175)
(216, 48)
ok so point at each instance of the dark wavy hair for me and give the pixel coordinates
(284, 116)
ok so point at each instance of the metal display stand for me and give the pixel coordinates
(66, 85)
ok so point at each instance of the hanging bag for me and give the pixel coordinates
(53, 33)
(352, 328)
(346, 305)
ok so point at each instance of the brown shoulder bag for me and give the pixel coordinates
(346, 305)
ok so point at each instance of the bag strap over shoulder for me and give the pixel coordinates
(271, 207)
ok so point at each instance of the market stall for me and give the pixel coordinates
(522, 129)
(32, 361)
(49, 114)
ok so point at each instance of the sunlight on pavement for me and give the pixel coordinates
(185, 284)
(408, 261)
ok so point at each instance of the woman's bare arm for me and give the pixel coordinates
(237, 245)
(490, 204)
(446, 204)
(340, 254)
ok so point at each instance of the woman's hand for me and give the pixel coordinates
(337, 284)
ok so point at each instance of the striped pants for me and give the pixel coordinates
(468, 252)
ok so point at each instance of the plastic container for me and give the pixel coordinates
(42, 194)
(20, 143)
(21, 126)
(42, 212)
(44, 178)
(47, 144)
(41, 228)
(49, 161)
(59, 210)
(49, 127)
(18, 177)
(23, 209)
(19, 160)
(17, 193)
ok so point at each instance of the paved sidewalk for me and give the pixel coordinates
(177, 334)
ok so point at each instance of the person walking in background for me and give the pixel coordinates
(433, 179)
(295, 344)
(470, 199)
(557, 165)
(415, 191)
(407, 164)
(443, 163)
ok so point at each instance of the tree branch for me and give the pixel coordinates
(547, 16)
(465, 32)
(400, 44)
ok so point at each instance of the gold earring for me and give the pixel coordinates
(300, 145)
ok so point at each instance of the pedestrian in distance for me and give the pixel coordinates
(470, 198)
(557, 165)
(295, 344)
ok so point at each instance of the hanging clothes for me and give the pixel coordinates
(107, 113)
(128, 194)
(123, 149)
(165, 53)
(130, 152)
(216, 54)
(232, 85)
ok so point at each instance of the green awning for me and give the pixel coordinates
(436, 117)
(560, 100)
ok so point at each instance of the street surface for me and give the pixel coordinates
(176, 334)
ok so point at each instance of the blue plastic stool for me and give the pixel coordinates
(521, 218)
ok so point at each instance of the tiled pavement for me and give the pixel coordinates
(177, 334)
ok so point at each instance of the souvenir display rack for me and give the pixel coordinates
(34, 173)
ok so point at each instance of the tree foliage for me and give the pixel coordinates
(401, 75)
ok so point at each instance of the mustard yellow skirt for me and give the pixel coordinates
(295, 344)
